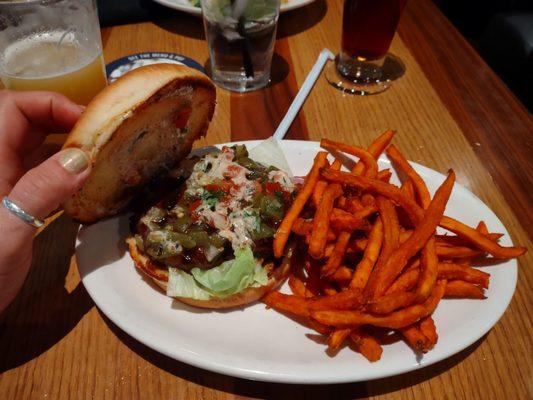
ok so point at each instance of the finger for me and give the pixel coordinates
(25, 117)
(42, 189)
(48, 110)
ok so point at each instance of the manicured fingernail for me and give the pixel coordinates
(74, 160)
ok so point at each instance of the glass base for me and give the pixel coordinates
(364, 77)
(238, 82)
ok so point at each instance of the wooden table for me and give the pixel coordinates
(450, 110)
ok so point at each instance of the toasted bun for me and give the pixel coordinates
(129, 130)
(160, 277)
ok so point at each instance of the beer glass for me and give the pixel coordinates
(363, 65)
(52, 45)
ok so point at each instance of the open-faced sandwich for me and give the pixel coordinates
(206, 234)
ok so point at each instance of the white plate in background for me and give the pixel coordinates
(186, 6)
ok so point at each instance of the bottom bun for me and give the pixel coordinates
(160, 277)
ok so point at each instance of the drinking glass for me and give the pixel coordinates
(240, 37)
(363, 65)
(52, 45)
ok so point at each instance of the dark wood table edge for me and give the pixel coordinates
(492, 119)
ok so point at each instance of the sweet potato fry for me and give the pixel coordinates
(318, 192)
(321, 185)
(391, 302)
(368, 200)
(317, 326)
(436, 296)
(384, 175)
(406, 281)
(421, 189)
(364, 268)
(319, 233)
(302, 227)
(297, 286)
(337, 256)
(454, 240)
(287, 303)
(413, 210)
(479, 240)
(342, 220)
(408, 189)
(415, 338)
(404, 235)
(465, 273)
(353, 204)
(343, 273)
(336, 165)
(371, 167)
(413, 263)
(428, 270)
(394, 320)
(346, 300)
(391, 227)
(394, 265)
(337, 338)
(376, 148)
(449, 252)
(366, 344)
(328, 289)
(366, 211)
(328, 250)
(482, 228)
(429, 330)
(284, 230)
(352, 319)
(359, 244)
(458, 288)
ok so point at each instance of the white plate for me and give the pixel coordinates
(261, 344)
(184, 5)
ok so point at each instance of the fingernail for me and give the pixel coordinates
(74, 160)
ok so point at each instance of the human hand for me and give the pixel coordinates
(25, 120)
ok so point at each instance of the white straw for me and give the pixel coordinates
(299, 100)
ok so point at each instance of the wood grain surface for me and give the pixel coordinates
(449, 109)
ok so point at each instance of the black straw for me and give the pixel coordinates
(246, 47)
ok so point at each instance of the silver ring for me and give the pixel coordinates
(23, 215)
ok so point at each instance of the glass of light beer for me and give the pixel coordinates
(364, 65)
(52, 45)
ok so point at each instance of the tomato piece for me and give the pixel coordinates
(271, 187)
(213, 187)
(193, 206)
(182, 118)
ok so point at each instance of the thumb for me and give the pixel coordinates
(42, 189)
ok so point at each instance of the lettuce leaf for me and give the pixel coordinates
(182, 284)
(228, 278)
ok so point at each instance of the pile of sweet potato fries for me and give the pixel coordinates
(369, 252)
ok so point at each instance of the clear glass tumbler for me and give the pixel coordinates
(52, 45)
(240, 36)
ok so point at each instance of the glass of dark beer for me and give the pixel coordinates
(364, 65)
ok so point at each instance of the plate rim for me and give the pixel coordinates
(189, 358)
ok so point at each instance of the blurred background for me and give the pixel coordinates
(500, 30)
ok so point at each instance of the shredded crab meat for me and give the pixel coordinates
(231, 216)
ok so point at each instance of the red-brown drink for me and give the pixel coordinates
(368, 27)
